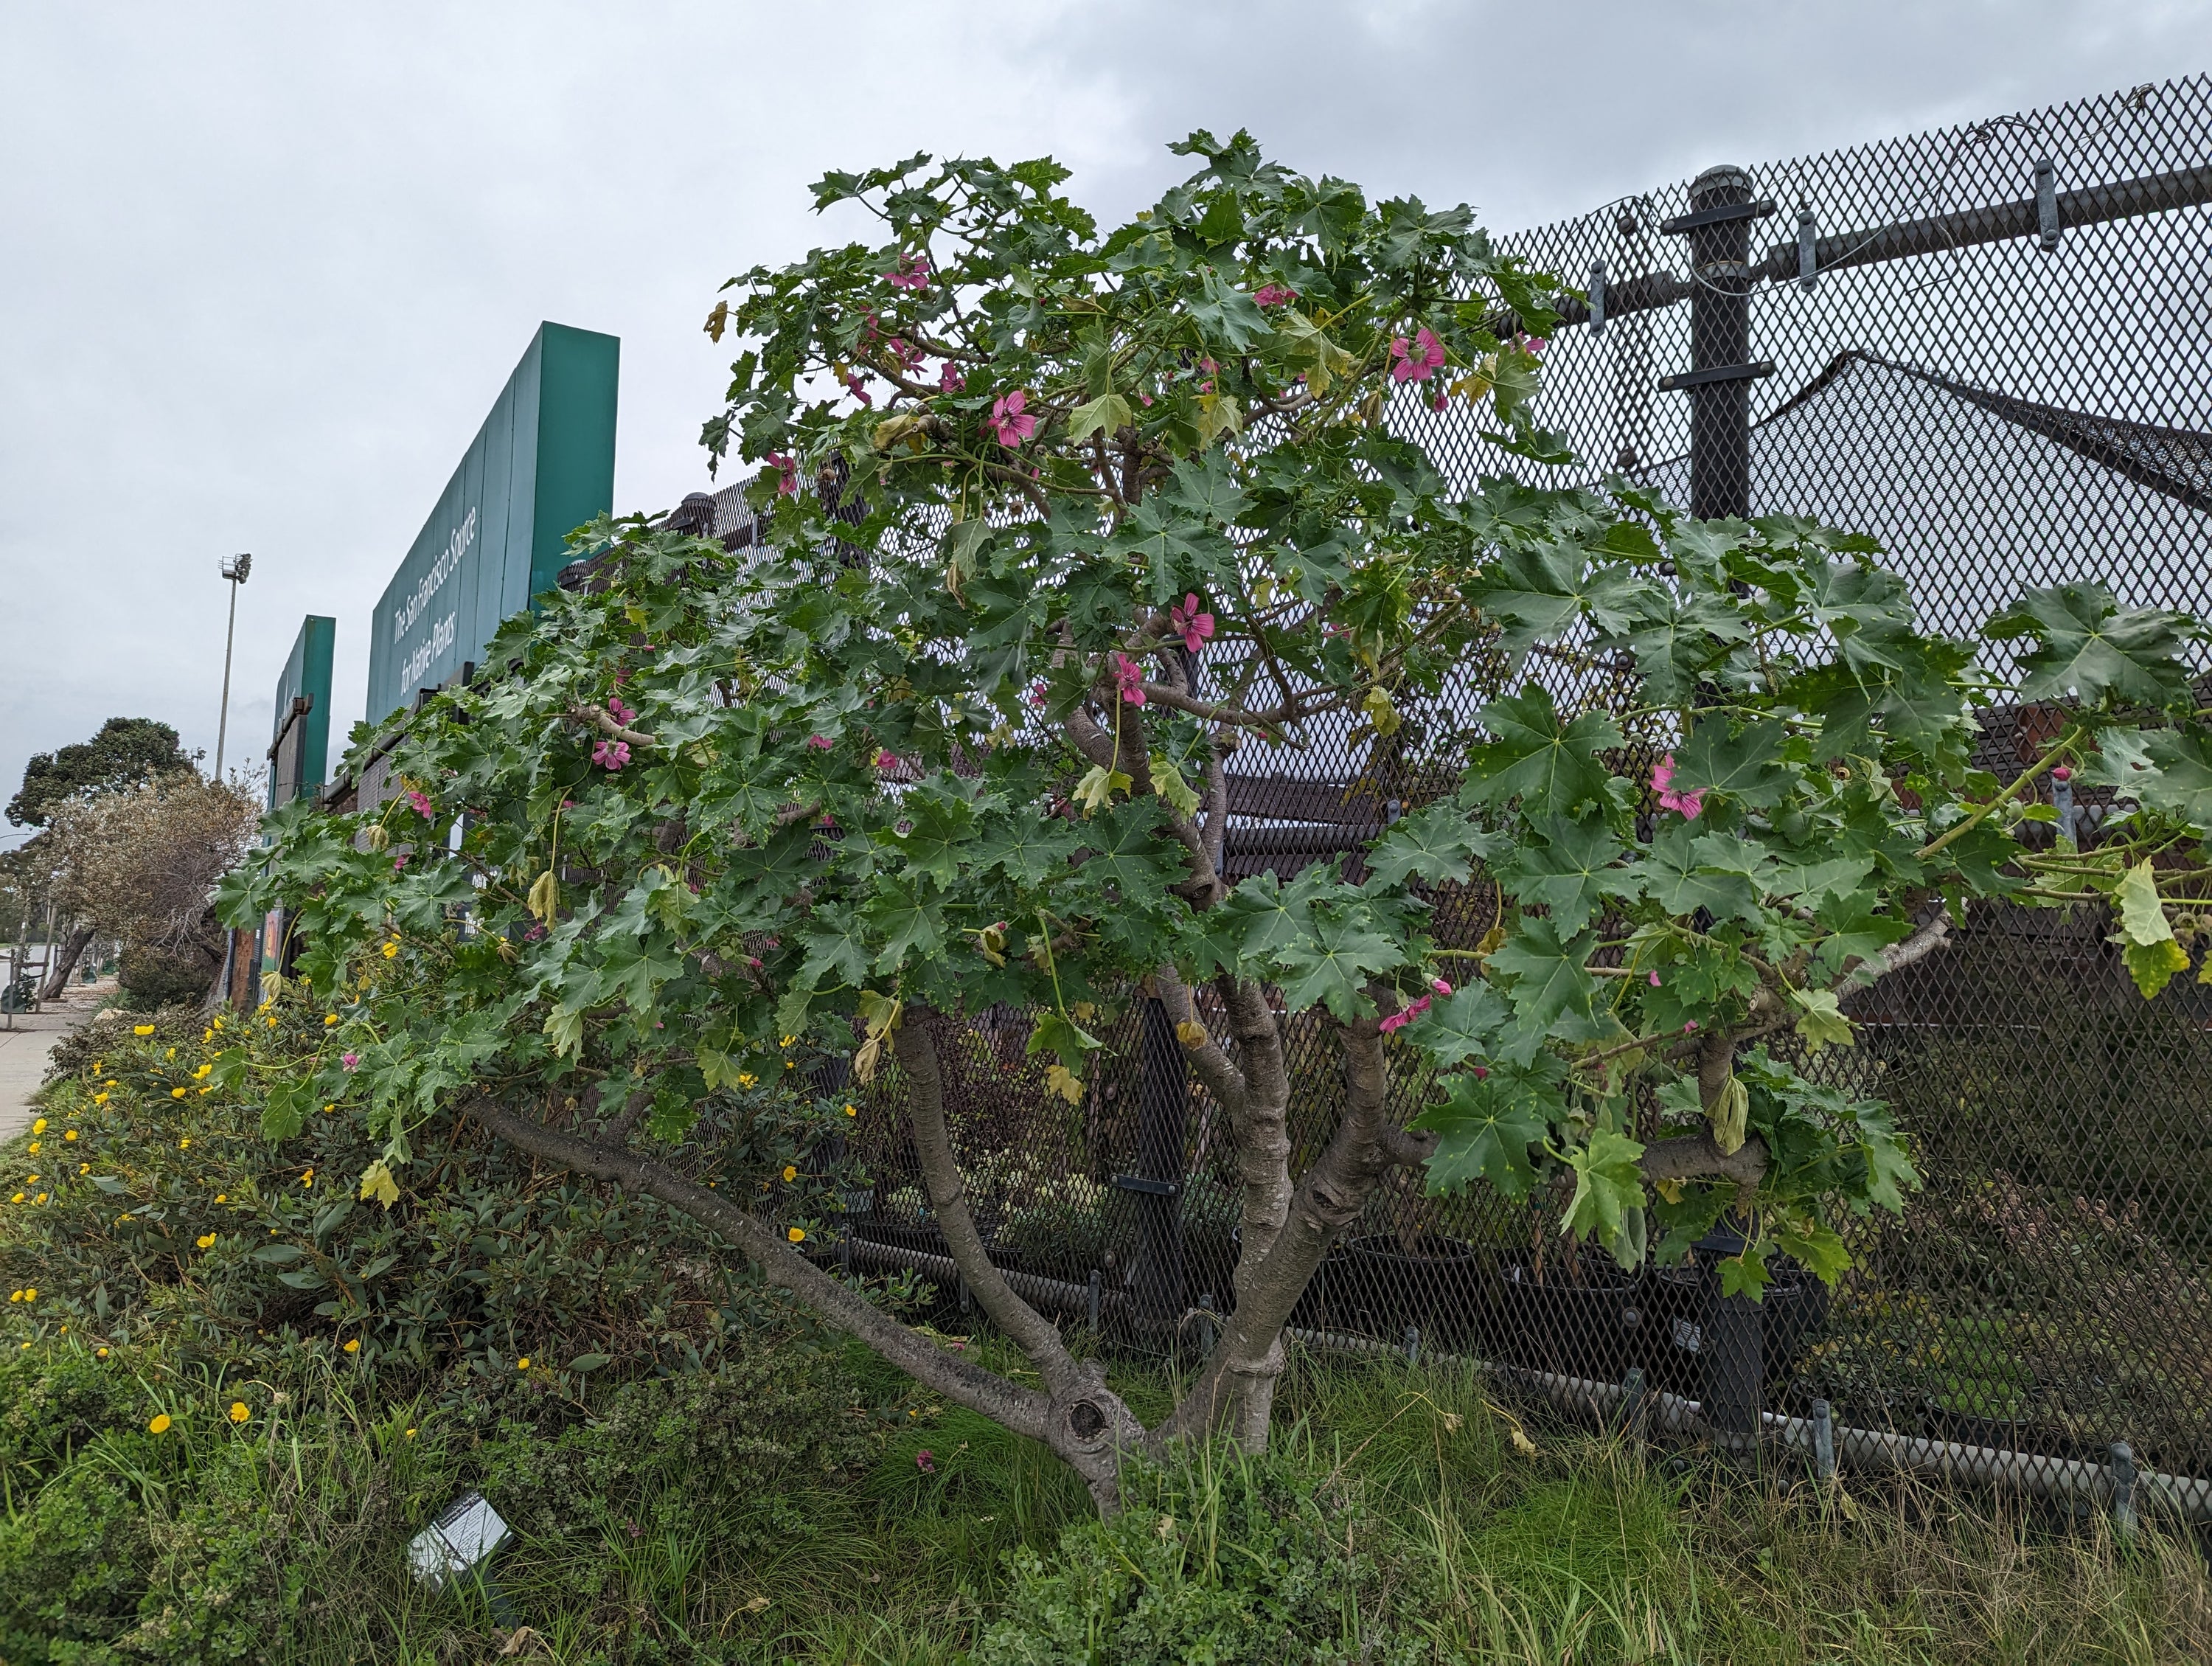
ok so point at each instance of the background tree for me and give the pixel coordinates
(1064, 523)
(127, 752)
(140, 865)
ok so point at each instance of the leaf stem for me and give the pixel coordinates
(2027, 776)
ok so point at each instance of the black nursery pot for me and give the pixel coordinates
(1581, 1317)
(1431, 1283)
(1673, 1344)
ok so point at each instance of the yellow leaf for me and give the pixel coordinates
(864, 1062)
(717, 321)
(1727, 1116)
(1169, 784)
(545, 897)
(1669, 1190)
(1191, 1035)
(1058, 1078)
(1381, 713)
(376, 1181)
(1522, 1445)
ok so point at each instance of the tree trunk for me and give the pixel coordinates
(57, 980)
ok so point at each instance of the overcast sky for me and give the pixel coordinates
(267, 266)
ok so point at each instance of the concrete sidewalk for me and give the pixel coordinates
(24, 1047)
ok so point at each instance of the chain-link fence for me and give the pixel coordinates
(1988, 348)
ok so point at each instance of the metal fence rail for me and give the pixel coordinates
(1990, 347)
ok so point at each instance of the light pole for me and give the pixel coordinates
(234, 569)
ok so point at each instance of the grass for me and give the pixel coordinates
(1494, 1538)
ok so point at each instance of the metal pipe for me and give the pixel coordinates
(1029, 1287)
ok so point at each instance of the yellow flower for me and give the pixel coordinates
(102, 1353)
(308, 1178)
(170, 1054)
(272, 1020)
(38, 1126)
(161, 1423)
(238, 1413)
(327, 1110)
(184, 1142)
(222, 1197)
(391, 950)
(176, 1093)
(796, 1235)
(101, 1097)
(789, 1172)
(18, 1198)
(84, 1167)
(523, 1363)
(205, 1242)
(411, 1434)
(201, 1074)
(96, 1067)
(787, 1041)
(69, 1133)
(142, 1029)
(218, 1023)
(41, 1197)
(34, 1145)
(746, 1079)
(30, 1295)
(15, 1295)
(852, 1110)
(328, 1018)
(208, 1034)
(354, 1347)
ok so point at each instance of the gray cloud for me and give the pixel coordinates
(269, 265)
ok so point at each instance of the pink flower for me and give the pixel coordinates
(1399, 1020)
(1147, 398)
(2061, 773)
(819, 743)
(350, 1060)
(1655, 979)
(423, 807)
(1129, 678)
(1419, 362)
(1690, 1025)
(533, 934)
(1534, 345)
(887, 760)
(1662, 780)
(1037, 695)
(568, 804)
(908, 355)
(1192, 626)
(858, 389)
(1481, 1071)
(912, 273)
(1440, 986)
(399, 863)
(949, 378)
(619, 712)
(1210, 369)
(1275, 294)
(786, 473)
(924, 1462)
(610, 754)
(1441, 402)
(1007, 420)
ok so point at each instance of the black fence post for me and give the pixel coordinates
(1162, 1119)
(1720, 372)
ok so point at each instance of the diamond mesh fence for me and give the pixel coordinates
(1987, 347)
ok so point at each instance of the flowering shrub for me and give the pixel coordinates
(998, 580)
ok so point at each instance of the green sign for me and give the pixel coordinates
(542, 463)
(298, 751)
